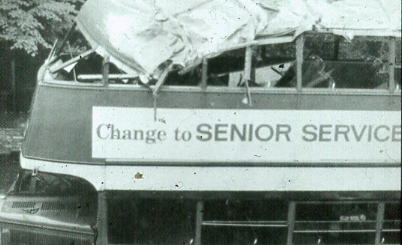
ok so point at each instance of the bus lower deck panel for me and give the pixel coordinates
(230, 218)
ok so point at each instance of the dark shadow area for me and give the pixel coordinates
(9, 167)
(150, 221)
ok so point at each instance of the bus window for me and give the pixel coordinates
(91, 64)
(272, 65)
(190, 78)
(226, 69)
(72, 60)
(332, 62)
(269, 66)
(391, 233)
(236, 221)
(150, 221)
(335, 223)
(89, 70)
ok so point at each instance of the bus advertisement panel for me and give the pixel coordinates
(246, 136)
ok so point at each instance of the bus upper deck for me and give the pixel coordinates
(325, 97)
(305, 116)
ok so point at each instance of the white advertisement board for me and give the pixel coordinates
(245, 136)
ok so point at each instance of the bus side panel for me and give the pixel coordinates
(61, 117)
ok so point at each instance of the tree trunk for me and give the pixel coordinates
(13, 85)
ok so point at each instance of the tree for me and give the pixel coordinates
(31, 25)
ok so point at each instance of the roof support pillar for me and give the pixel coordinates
(291, 222)
(299, 62)
(391, 63)
(379, 223)
(198, 222)
(102, 220)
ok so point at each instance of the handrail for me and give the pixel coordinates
(342, 202)
(277, 224)
(333, 222)
(336, 231)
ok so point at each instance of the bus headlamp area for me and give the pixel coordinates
(285, 139)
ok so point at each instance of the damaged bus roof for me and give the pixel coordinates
(142, 36)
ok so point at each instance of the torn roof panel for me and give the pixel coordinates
(143, 34)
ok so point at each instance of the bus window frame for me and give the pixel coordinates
(300, 45)
(299, 62)
(203, 85)
(391, 62)
(293, 221)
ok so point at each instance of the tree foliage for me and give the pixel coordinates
(31, 25)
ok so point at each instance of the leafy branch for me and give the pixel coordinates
(31, 25)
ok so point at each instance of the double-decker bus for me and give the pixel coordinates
(278, 140)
